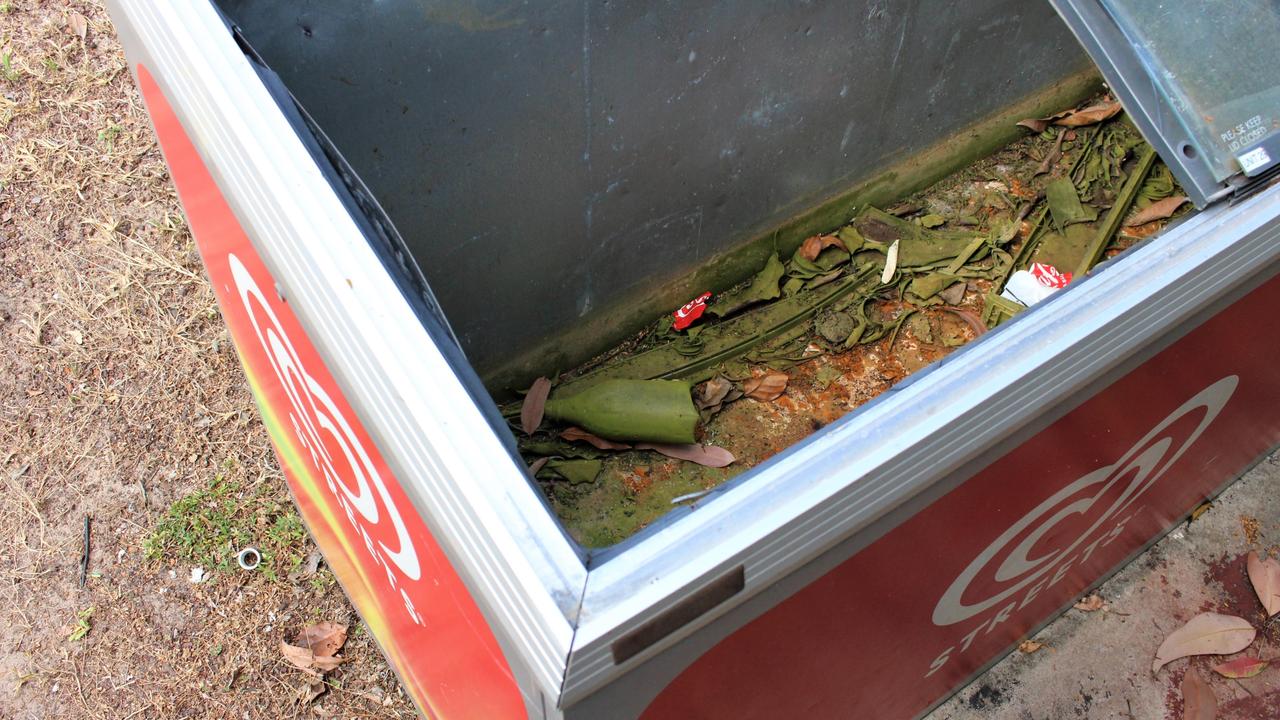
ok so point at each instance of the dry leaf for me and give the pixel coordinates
(1241, 667)
(1206, 634)
(1029, 646)
(536, 465)
(954, 295)
(309, 690)
(308, 567)
(1036, 125)
(1158, 210)
(299, 656)
(323, 638)
(1090, 115)
(78, 24)
(1265, 576)
(812, 247)
(534, 403)
(576, 433)
(1051, 157)
(1092, 603)
(307, 660)
(1075, 118)
(708, 455)
(711, 394)
(890, 264)
(767, 387)
(1198, 700)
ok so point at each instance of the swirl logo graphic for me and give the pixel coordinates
(327, 436)
(1086, 514)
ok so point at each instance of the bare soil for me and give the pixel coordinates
(121, 396)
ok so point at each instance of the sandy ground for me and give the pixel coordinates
(120, 396)
(122, 401)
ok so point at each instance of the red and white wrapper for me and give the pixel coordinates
(1029, 287)
(691, 311)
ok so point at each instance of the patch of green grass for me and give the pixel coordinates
(6, 8)
(211, 525)
(83, 624)
(6, 66)
(50, 64)
(108, 135)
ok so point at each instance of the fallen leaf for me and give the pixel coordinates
(1092, 603)
(1198, 700)
(764, 286)
(300, 657)
(576, 433)
(1036, 125)
(323, 638)
(890, 264)
(534, 403)
(1075, 118)
(536, 465)
(577, 472)
(712, 393)
(1064, 204)
(904, 208)
(767, 387)
(812, 247)
(309, 690)
(969, 318)
(1088, 116)
(1265, 576)
(954, 295)
(1051, 157)
(304, 659)
(1158, 210)
(1201, 509)
(1029, 646)
(1205, 634)
(308, 567)
(1241, 667)
(78, 24)
(708, 455)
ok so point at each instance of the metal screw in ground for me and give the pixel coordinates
(249, 558)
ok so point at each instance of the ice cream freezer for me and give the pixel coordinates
(410, 209)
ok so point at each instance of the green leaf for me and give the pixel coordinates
(576, 472)
(1065, 206)
(764, 286)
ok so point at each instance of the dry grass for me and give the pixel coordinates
(120, 395)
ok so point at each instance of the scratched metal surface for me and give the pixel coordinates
(546, 159)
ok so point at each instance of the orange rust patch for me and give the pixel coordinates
(1251, 529)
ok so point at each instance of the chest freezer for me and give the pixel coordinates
(409, 209)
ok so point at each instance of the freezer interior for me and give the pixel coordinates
(840, 195)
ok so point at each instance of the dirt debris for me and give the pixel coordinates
(121, 397)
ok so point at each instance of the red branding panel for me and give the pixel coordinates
(386, 558)
(901, 624)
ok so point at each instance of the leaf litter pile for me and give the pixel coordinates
(739, 374)
(1210, 633)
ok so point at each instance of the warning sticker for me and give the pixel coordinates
(1254, 160)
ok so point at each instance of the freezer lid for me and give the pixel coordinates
(1196, 79)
